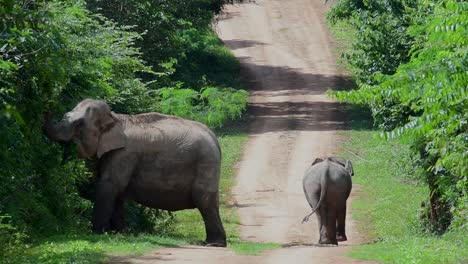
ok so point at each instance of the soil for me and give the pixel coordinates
(287, 64)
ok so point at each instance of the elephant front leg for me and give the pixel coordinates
(114, 174)
(117, 221)
(103, 208)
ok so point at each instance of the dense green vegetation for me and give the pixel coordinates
(147, 56)
(180, 228)
(381, 41)
(410, 62)
(389, 204)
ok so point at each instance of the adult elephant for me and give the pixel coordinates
(327, 185)
(157, 160)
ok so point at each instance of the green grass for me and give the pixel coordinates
(388, 208)
(250, 248)
(88, 248)
(343, 33)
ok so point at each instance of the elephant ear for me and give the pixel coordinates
(317, 160)
(112, 137)
(349, 167)
(345, 163)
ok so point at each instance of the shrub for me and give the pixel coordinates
(10, 238)
(212, 106)
(382, 43)
(54, 53)
(432, 85)
(177, 39)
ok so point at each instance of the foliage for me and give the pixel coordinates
(211, 106)
(52, 55)
(432, 90)
(187, 226)
(384, 212)
(381, 43)
(142, 219)
(177, 39)
(10, 237)
(186, 53)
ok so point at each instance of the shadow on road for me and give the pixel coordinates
(258, 77)
(286, 97)
(234, 44)
(286, 116)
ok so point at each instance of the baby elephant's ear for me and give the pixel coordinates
(317, 160)
(349, 167)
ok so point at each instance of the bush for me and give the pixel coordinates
(177, 39)
(10, 238)
(211, 106)
(382, 43)
(432, 87)
(54, 53)
(195, 69)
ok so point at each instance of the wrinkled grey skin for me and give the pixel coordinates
(327, 185)
(159, 161)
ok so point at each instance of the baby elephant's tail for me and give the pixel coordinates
(323, 189)
(306, 218)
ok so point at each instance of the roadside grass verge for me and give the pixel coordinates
(87, 248)
(251, 248)
(388, 209)
(343, 33)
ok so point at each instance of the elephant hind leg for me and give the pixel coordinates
(340, 223)
(215, 234)
(328, 228)
(205, 198)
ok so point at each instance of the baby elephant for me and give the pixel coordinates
(327, 184)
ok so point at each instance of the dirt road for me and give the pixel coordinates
(288, 65)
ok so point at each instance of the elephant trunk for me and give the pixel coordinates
(61, 132)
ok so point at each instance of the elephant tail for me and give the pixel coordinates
(323, 189)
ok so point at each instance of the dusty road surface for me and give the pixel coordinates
(288, 65)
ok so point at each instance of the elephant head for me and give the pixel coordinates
(92, 126)
(343, 162)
